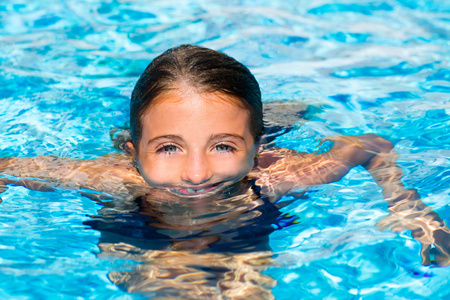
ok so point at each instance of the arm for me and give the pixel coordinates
(110, 174)
(279, 171)
(407, 211)
(285, 170)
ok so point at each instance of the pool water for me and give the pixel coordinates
(67, 71)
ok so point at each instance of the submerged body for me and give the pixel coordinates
(217, 241)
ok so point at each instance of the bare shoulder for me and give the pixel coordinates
(278, 157)
(278, 171)
(116, 167)
(121, 165)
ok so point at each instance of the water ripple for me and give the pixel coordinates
(67, 69)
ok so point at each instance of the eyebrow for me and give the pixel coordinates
(177, 138)
(172, 137)
(221, 136)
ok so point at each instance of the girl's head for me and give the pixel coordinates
(196, 117)
(203, 70)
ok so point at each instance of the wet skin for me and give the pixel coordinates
(194, 143)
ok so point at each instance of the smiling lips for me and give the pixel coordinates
(194, 191)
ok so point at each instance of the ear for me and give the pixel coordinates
(131, 149)
(258, 147)
(256, 150)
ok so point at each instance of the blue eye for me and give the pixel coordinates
(168, 148)
(223, 148)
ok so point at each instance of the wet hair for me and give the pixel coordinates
(203, 69)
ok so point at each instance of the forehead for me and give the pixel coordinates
(185, 92)
(190, 97)
(191, 108)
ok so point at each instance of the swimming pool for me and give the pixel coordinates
(67, 70)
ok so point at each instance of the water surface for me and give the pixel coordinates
(67, 71)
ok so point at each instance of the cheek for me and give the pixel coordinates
(157, 172)
(236, 167)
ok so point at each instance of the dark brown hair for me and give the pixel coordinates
(205, 70)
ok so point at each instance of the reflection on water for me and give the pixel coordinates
(210, 247)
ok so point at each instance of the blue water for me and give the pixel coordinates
(67, 71)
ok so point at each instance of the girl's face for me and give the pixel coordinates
(193, 143)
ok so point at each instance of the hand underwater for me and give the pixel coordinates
(440, 253)
(408, 212)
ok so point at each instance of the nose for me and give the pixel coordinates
(196, 170)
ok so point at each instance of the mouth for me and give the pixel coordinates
(195, 191)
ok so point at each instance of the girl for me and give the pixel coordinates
(196, 142)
